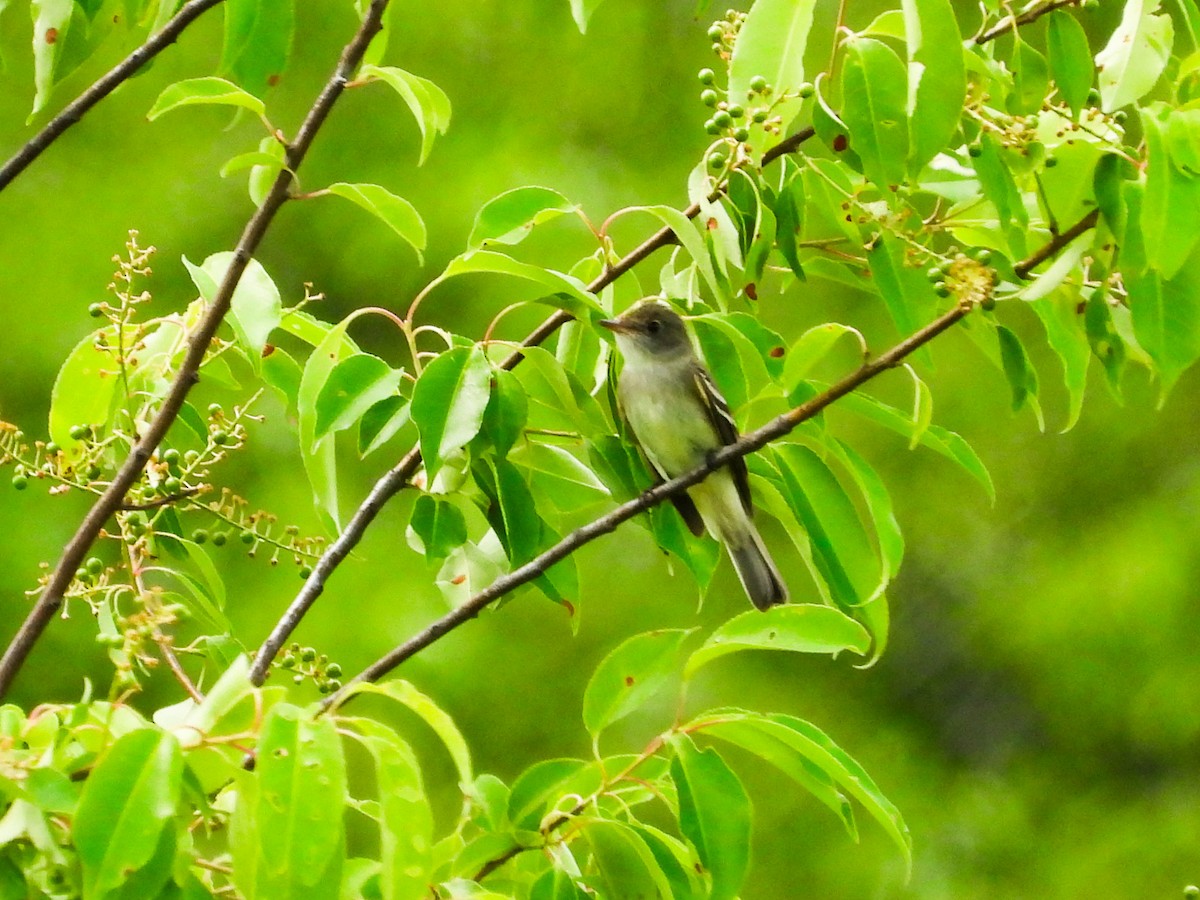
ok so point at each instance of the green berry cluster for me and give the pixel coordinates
(305, 663)
(723, 32)
(969, 277)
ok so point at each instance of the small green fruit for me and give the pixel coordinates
(709, 97)
(758, 84)
(707, 76)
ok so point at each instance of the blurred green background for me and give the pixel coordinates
(1037, 716)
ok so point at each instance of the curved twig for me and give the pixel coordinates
(198, 342)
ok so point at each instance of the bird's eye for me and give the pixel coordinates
(654, 326)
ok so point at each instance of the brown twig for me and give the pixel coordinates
(198, 343)
(748, 443)
(1060, 240)
(1013, 22)
(158, 501)
(104, 86)
(396, 478)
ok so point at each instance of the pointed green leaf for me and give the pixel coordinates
(318, 455)
(874, 101)
(448, 403)
(627, 867)
(125, 811)
(1171, 199)
(1065, 332)
(771, 44)
(506, 413)
(1136, 54)
(1166, 319)
(256, 309)
(937, 77)
(258, 41)
(1031, 79)
(906, 291)
(355, 385)
(381, 422)
(1070, 58)
(539, 789)
(581, 12)
(204, 91)
(85, 389)
(795, 627)
(564, 291)
(1022, 378)
(427, 102)
(638, 669)
(714, 814)
(510, 217)
(395, 212)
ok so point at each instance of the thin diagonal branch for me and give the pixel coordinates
(1060, 240)
(198, 342)
(748, 443)
(400, 475)
(1013, 22)
(103, 86)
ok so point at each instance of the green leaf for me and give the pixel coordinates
(1171, 199)
(84, 390)
(256, 309)
(795, 627)
(204, 91)
(244, 161)
(1135, 55)
(380, 423)
(539, 789)
(1031, 78)
(560, 476)
(395, 212)
(51, 25)
(427, 102)
(735, 363)
(815, 745)
(699, 554)
(906, 291)
(714, 814)
(511, 511)
(439, 524)
(1106, 344)
(789, 217)
(565, 291)
(281, 371)
(355, 385)
(510, 217)
(627, 867)
(873, 107)
(689, 238)
(1022, 378)
(788, 760)
(264, 173)
(937, 78)
(1183, 136)
(771, 43)
(506, 412)
(581, 12)
(405, 817)
(998, 185)
(1166, 319)
(301, 777)
(1067, 337)
(448, 403)
(638, 669)
(832, 131)
(879, 502)
(126, 810)
(318, 455)
(842, 551)
(258, 41)
(1070, 58)
(434, 716)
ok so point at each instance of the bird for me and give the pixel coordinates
(679, 418)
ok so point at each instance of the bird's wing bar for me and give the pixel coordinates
(722, 421)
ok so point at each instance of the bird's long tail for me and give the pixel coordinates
(756, 569)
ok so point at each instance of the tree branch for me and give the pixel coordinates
(1060, 240)
(748, 443)
(198, 342)
(1014, 22)
(103, 86)
(396, 478)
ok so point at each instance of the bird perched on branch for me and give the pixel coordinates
(680, 418)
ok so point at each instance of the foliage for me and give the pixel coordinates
(927, 173)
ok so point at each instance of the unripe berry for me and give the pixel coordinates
(758, 84)
(707, 76)
(709, 97)
(20, 482)
(199, 535)
(95, 310)
(806, 90)
(94, 565)
(741, 134)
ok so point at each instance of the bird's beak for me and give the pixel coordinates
(614, 325)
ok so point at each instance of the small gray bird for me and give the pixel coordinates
(679, 417)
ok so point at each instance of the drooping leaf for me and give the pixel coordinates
(1031, 78)
(510, 217)
(506, 412)
(1166, 319)
(395, 212)
(258, 41)
(562, 291)
(318, 455)
(84, 390)
(204, 91)
(998, 184)
(1067, 336)
(626, 865)
(125, 812)
(937, 78)
(405, 817)
(1022, 377)
(1070, 58)
(1171, 198)
(540, 788)
(794, 627)
(874, 100)
(448, 402)
(638, 669)
(1136, 54)
(906, 291)
(439, 524)
(714, 814)
(427, 102)
(256, 309)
